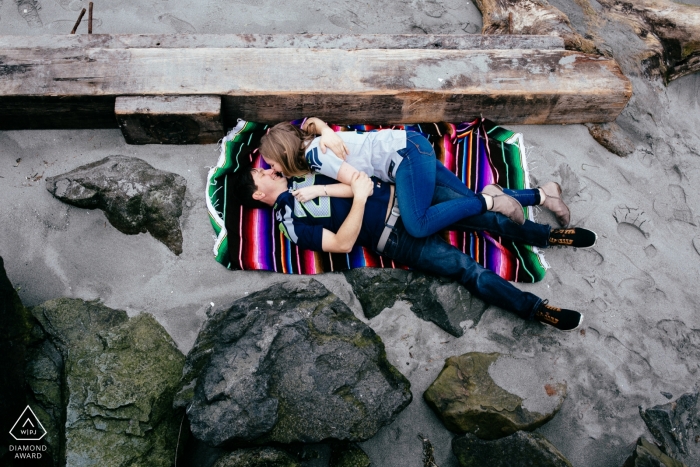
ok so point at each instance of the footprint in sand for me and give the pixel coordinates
(650, 251)
(180, 26)
(432, 8)
(633, 224)
(597, 190)
(629, 358)
(584, 261)
(29, 10)
(671, 205)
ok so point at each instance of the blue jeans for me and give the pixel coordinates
(435, 256)
(417, 178)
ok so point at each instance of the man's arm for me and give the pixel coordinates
(343, 241)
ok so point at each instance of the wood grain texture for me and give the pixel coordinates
(170, 119)
(297, 41)
(364, 85)
(531, 17)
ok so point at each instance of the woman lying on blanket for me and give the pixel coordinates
(404, 158)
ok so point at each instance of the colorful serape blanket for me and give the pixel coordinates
(478, 152)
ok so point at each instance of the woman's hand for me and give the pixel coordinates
(308, 193)
(330, 139)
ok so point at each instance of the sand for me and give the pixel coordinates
(638, 288)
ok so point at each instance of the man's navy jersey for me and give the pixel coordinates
(303, 223)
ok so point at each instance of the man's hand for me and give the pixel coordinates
(362, 186)
(330, 139)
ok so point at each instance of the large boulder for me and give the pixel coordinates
(676, 426)
(435, 299)
(258, 457)
(520, 449)
(107, 383)
(135, 197)
(348, 456)
(16, 323)
(468, 400)
(646, 454)
(289, 364)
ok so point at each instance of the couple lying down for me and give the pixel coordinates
(394, 196)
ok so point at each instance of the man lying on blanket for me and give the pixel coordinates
(371, 219)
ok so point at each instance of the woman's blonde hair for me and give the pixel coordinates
(285, 144)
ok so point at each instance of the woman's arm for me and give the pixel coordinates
(336, 190)
(329, 138)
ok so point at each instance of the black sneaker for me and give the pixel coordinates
(560, 318)
(576, 237)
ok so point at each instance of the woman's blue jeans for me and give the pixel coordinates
(416, 179)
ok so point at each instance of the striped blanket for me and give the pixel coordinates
(478, 152)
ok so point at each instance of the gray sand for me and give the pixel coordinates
(638, 288)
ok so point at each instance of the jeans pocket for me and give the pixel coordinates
(420, 143)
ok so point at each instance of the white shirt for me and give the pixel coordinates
(372, 152)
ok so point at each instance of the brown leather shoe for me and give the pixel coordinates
(506, 205)
(553, 202)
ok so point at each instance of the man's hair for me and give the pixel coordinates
(285, 144)
(243, 186)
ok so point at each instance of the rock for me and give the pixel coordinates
(257, 457)
(520, 449)
(611, 137)
(468, 400)
(676, 427)
(531, 17)
(135, 197)
(349, 456)
(646, 454)
(434, 299)
(118, 377)
(289, 364)
(15, 335)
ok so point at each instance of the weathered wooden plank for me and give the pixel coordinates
(170, 119)
(300, 41)
(509, 86)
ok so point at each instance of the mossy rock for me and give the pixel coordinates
(468, 400)
(520, 449)
(257, 457)
(646, 454)
(349, 456)
(118, 379)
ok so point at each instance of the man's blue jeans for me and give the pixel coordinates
(417, 178)
(433, 255)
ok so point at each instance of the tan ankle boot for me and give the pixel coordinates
(506, 205)
(553, 202)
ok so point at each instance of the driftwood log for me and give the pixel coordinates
(66, 83)
(531, 17)
(670, 31)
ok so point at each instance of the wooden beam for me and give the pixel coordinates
(340, 85)
(170, 119)
(284, 41)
